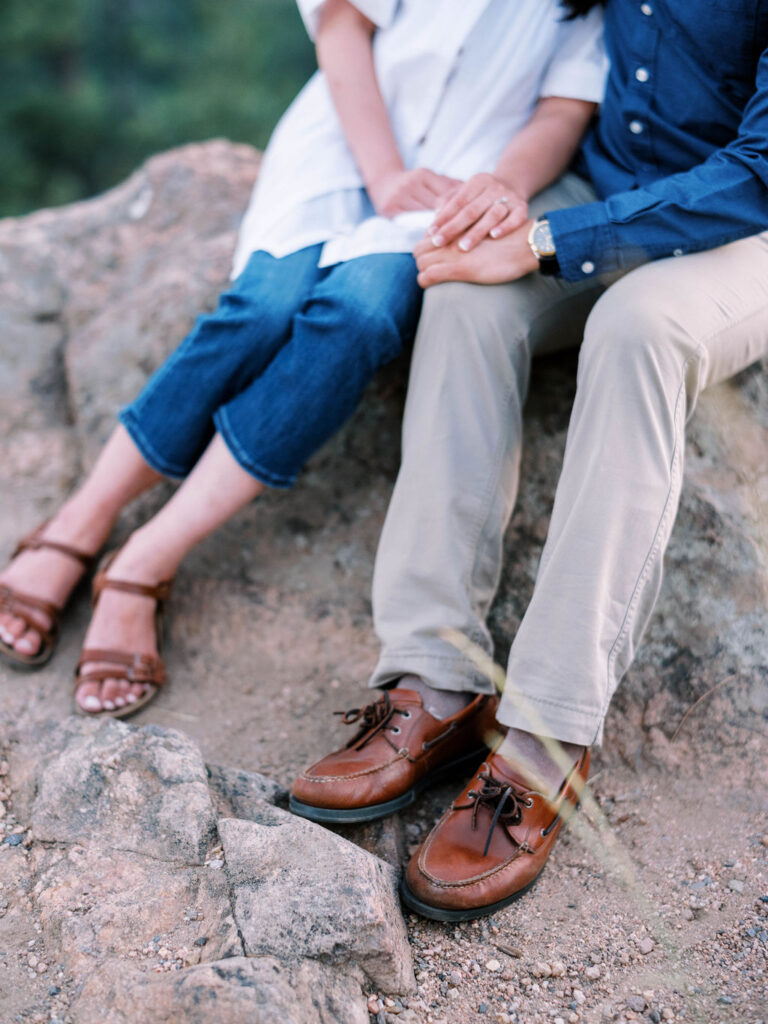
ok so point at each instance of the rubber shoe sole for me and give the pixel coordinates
(469, 914)
(352, 815)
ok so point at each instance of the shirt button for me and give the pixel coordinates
(636, 127)
(646, 9)
(642, 74)
(588, 267)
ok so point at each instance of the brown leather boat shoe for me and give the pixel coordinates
(490, 846)
(399, 750)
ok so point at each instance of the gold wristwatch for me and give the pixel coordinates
(543, 246)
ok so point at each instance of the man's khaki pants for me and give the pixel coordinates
(651, 342)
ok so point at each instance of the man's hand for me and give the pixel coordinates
(419, 189)
(485, 205)
(493, 261)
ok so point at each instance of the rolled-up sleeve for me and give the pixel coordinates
(579, 66)
(719, 201)
(380, 12)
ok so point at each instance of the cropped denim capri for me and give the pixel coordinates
(280, 365)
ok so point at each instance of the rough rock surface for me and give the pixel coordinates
(270, 631)
(300, 890)
(149, 919)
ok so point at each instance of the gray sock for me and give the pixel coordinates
(439, 703)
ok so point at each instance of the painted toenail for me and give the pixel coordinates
(91, 703)
(131, 698)
(108, 705)
(119, 702)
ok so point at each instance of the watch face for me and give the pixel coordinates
(542, 238)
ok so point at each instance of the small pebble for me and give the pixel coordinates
(646, 945)
(593, 972)
(578, 996)
(15, 840)
(636, 1003)
(557, 969)
(736, 885)
(201, 941)
(216, 865)
(493, 965)
(667, 1013)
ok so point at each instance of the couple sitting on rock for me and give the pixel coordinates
(408, 162)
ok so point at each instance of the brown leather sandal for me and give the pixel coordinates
(135, 668)
(16, 602)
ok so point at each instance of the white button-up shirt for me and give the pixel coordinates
(459, 78)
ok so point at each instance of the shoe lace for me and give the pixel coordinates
(373, 718)
(506, 803)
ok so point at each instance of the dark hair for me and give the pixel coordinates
(576, 8)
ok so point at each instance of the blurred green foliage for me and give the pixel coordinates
(90, 88)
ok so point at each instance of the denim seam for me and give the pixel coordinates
(130, 421)
(221, 420)
(654, 548)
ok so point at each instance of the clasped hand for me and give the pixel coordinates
(476, 237)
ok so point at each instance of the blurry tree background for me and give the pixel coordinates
(90, 88)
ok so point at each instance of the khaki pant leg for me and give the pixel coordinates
(440, 552)
(652, 343)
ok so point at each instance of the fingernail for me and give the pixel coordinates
(431, 229)
(464, 245)
(495, 232)
(438, 240)
(92, 703)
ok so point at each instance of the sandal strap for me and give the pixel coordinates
(159, 592)
(13, 601)
(35, 542)
(136, 668)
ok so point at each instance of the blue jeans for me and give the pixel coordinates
(280, 365)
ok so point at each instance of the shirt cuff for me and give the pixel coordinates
(584, 241)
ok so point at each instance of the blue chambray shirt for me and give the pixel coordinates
(679, 155)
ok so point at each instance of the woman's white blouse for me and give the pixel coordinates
(459, 78)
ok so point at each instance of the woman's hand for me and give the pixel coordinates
(481, 207)
(400, 190)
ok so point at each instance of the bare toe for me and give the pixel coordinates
(29, 642)
(135, 691)
(119, 696)
(88, 696)
(110, 691)
(15, 629)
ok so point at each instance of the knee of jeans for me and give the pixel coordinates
(363, 328)
(631, 326)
